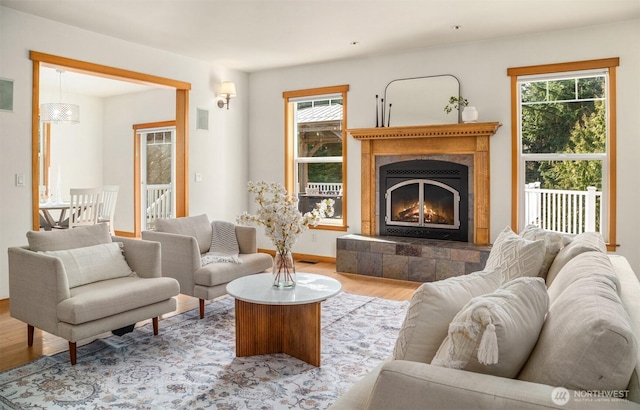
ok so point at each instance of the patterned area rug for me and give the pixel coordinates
(192, 364)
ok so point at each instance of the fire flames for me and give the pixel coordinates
(412, 214)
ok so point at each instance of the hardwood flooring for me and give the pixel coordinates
(13, 333)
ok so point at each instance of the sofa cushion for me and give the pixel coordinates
(587, 342)
(196, 226)
(495, 333)
(553, 242)
(220, 273)
(110, 297)
(585, 242)
(594, 265)
(93, 263)
(432, 308)
(59, 239)
(515, 256)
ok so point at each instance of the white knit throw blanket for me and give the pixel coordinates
(224, 245)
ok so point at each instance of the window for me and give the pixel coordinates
(563, 147)
(315, 149)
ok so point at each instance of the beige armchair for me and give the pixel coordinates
(184, 242)
(79, 283)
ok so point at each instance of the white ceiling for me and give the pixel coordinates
(254, 35)
(52, 83)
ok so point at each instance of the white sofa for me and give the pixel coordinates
(586, 355)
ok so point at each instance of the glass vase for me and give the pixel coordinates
(284, 270)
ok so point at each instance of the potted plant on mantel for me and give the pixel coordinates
(469, 113)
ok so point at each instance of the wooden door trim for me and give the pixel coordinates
(181, 123)
(137, 178)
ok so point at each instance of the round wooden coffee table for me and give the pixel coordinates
(270, 320)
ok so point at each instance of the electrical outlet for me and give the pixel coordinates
(314, 238)
(198, 177)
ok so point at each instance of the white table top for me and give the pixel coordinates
(259, 289)
(54, 205)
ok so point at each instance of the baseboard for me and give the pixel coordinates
(303, 256)
(125, 234)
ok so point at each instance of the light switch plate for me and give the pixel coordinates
(20, 180)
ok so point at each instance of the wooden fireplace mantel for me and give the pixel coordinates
(467, 138)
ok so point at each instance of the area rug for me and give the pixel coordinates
(192, 364)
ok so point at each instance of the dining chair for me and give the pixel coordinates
(83, 207)
(108, 205)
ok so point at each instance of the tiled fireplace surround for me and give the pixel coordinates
(415, 259)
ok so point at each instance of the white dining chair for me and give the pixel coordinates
(108, 205)
(84, 206)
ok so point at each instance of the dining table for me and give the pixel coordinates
(47, 207)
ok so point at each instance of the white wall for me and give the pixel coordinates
(481, 68)
(219, 154)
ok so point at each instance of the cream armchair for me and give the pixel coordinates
(79, 283)
(184, 242)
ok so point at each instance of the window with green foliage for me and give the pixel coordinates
(316, 148)
(564, 147)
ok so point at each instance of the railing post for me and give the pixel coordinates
(533, 204)
(590, 210)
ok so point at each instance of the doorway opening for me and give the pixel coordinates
(181, 126)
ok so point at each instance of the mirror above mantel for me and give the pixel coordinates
(420, 101)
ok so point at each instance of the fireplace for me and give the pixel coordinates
(424, 199)
(428, 140)
(439, 176)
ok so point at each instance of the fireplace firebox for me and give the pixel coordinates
(424, 199)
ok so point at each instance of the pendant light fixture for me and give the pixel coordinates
(60, 113)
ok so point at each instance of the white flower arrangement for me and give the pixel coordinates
(279, 214)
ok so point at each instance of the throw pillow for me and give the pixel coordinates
(432, 308)
(59, 239)
(553, 242)
(495, 333)
(93, 263)
(585, 242)
(196, 226)
(587, 341)
(515, 256)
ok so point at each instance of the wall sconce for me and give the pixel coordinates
(227, 90)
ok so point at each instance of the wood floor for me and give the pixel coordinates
(13, 333)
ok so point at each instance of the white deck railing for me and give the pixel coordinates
(324, 188)
(563, 211)
(158, 203)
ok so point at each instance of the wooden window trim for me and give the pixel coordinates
(289, 141)
(606, 63)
